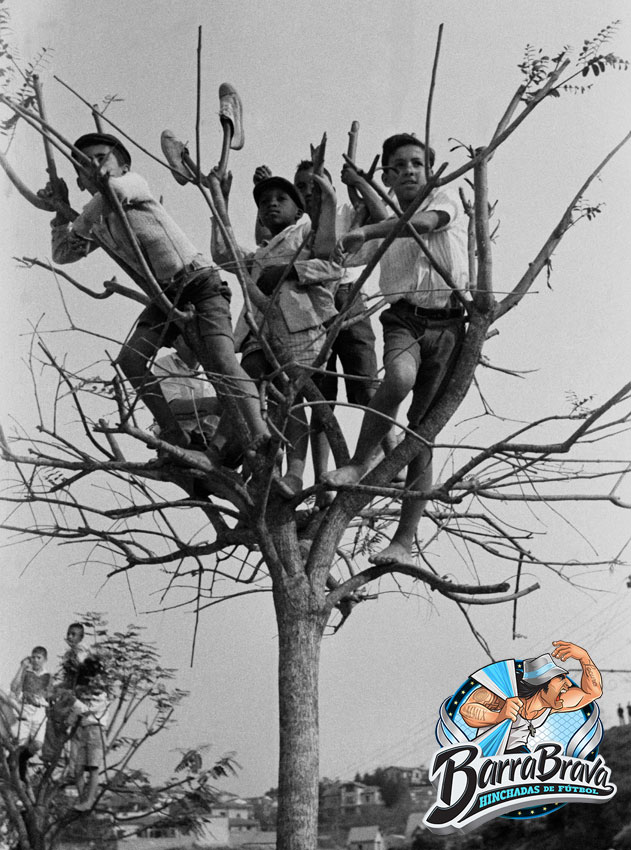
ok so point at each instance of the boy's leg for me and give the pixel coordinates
(419, 477)
(211, 298)
(320, 449)
(400, 375)
(359, 363)
(134, 358)
(92, 758)
(439, 345)
(226, 440)
(297, 434)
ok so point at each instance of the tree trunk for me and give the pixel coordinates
(300, 626)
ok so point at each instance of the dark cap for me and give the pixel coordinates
(279, 183)
(103, 139)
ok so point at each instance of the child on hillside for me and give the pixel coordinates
(184, 274)
(294, 318)
(423, 328)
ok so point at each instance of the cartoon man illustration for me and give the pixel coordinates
(542, 689)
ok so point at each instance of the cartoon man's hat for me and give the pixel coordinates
(540, 670)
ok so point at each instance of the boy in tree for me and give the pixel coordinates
(354, 346)
(423, 327)
(30, 690)
(62, 698)
(190, 397)
(299, 299)
(88, 743)
(184, 274)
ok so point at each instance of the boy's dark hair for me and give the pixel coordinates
(119, 150)
(40, 650)
(393, 143)
(307, 165)
(76, 626)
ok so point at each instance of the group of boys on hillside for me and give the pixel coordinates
(47, 715)
(309, 252)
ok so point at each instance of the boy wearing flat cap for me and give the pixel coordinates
(185, 275)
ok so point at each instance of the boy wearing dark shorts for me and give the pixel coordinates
(185, 276)
(423, 327)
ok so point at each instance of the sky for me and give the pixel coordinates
(301, 69)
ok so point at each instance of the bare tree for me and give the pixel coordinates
(249, 539)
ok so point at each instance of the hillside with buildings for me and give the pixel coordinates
(375, 811)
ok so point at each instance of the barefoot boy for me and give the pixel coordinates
(185, 275)
(301, 303)
(423, 327)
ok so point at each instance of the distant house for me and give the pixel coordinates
(416, 779)
(409, 775)
(264, 809)
(232, 807)
(365, 838)
(347, 798)
(355, 795)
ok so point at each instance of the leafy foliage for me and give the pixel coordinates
(538, 68)
(16, 82)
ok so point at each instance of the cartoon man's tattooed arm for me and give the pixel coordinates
(591, 681)
(484, 708)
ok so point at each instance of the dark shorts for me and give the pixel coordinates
(210, 296)
(434, 343)
(354, 347)
(256, 366)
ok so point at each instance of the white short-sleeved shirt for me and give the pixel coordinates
(406, 273)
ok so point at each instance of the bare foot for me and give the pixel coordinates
(344, 475)
(395, 553)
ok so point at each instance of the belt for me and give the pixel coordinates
(427, 313)
(193, 266)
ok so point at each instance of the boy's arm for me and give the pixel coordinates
(72, 242)
(16, 683)
(424, 222)
(325, 238)
(375, 207)
(219, 251)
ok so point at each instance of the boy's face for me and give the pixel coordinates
(104, 159)
(277, 210)
(74, 636)
(38, 660)
(303, 181)
(405, 173)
